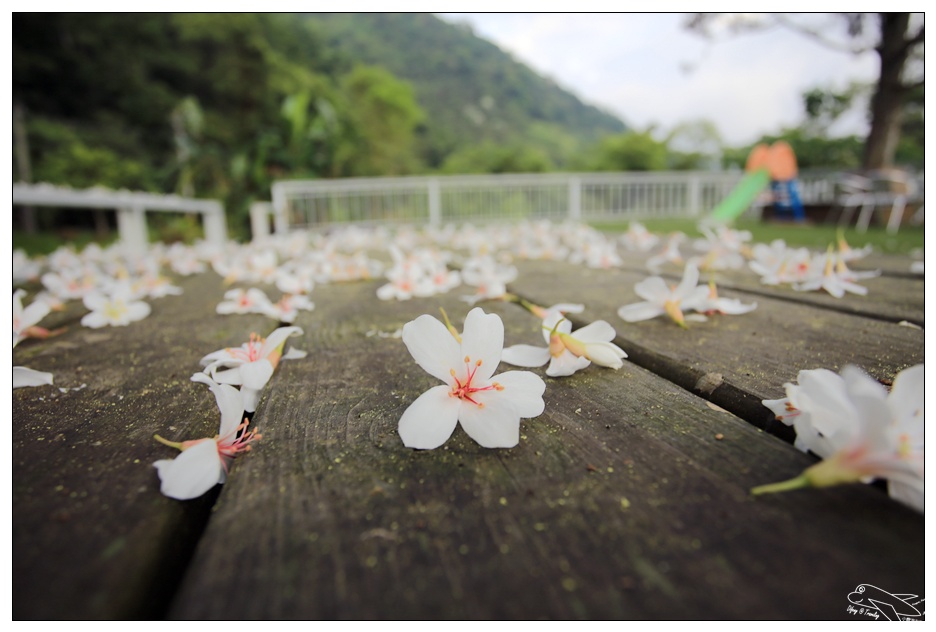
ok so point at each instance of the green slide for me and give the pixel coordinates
(741, 196)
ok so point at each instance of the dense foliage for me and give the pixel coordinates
(223, 104)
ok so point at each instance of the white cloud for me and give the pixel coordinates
(632, 65)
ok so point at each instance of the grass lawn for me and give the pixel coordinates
(815, 237)
(42, 243)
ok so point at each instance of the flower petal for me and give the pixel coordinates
(36, 311)
(652, 289)
(734, 306)
(565, 364)
(524, 390)
(432, 346)
(94, 301)
(526, 355)
(605, 354)
(256, 374)
(496, 424)
(567, 308)
(192, 473)
(277, 338)
(557, 321)
(640, 311)
(28, 377)
(137, 311)
(598, 331)
(94, 320)
(910, 494)
(906, 396)
(231, 405)
(430, 420)
(295, 354)
(695, 298)
(251, 397)
(483, 339)
(689, 283)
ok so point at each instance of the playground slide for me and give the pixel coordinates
(742, 195)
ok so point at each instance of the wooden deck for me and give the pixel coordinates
(628, 498)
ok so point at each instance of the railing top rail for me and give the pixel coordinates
(554, 178)
(51, 195)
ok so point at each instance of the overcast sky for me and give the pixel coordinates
(636, 66)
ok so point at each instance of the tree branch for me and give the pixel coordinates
(914, 40)
(817, 36)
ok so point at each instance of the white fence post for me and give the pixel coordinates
(215, 225)
(694, 195)
(280, 213)
(131, 224)
(435, 202)
(260, 220)
(575, 199)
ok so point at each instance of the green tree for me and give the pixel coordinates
(384, 114)
(489, 157)
(633, 151)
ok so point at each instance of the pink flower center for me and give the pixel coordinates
(250, 352)
(237, 442)
(464, 390)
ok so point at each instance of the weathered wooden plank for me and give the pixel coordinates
(894, 299)
(92, 535)
(627, 498)
(735, 361)
(896, 295)
(888, 264)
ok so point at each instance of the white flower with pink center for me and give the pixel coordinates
(251, 365)
(861, 430)
(488, 406)
(240, 301)
(204, 463)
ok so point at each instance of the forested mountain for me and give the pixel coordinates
(469, 88)
(223, 104)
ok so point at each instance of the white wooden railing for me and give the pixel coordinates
(131, 208)
(488, 198)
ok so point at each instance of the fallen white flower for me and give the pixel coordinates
(489, 407)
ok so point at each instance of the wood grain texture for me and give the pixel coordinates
(92, 535)
(621, 501)
(628, 498)
(895, 295)
(734, 361)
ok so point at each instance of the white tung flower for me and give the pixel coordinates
(863, 431)
(661, 299)
(204, 463)
(489, 407)
(240, 301)
(251, 365)
(569, 352)
(118, 309)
